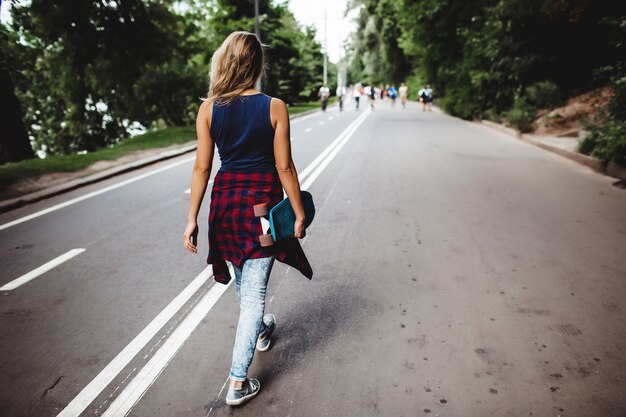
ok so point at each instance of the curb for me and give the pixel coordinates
(612, 169)
(90, 179)
(25, 199)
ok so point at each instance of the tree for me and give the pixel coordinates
(14, 143)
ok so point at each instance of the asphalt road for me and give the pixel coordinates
(457, 272)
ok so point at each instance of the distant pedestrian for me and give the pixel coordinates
(341, 95)
(393, 94)
(324, 95)
(251, 131)
(429, 98)
(371, 94)
(423, 97)
(404, 94)
(357, 93)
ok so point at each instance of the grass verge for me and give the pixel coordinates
(312, 105)
(12, 172)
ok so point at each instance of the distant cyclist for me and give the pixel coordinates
(404, 94)
(341, 95)
(324, 95)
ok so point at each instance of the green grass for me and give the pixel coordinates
(12, 172)
(312, 105)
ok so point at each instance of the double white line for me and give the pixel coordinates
(151, 371)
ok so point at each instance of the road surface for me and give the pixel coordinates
(457, 272)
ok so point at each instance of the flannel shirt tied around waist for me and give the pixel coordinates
(234, 230)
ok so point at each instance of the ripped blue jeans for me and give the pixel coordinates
(250, 286)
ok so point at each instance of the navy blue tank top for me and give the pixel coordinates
(243, 133)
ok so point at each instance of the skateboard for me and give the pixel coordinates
(282, 218)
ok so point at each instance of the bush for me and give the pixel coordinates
(607, 142)
(522, 115)
(460, 103)
(617, 105)
(544, 94)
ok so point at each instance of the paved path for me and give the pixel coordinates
(458, 272)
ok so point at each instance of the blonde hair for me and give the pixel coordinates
(235, 67)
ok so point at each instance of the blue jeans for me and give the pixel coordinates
(250, 286)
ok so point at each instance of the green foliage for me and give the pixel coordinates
(521, 115)
(85, 71)
(480, 54)
(544, 94)
(617, 106)
(376, 56)
(607, 142)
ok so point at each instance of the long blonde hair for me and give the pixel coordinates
(235, 67)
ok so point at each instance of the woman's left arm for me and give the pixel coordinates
(200, 175)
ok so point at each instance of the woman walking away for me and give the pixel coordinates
(251, 131)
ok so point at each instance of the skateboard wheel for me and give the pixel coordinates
(266, 240)
(260, 210)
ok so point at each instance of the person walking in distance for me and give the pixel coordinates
(393, 93)
(371, 94)
(404, 94)
(251, 131)
(429, 98)
(324, 95)
(356, 93)
(423, 96)
(341, 94)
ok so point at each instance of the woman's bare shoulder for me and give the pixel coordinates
(206, 106)
(278, 108)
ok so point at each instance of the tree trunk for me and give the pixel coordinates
(14, 142)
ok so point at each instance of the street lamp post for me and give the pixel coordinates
(257, 31)
(325, 45)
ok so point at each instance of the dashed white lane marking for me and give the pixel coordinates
(92, 194)
(104, 378)
(41, 270)
(322, 122)
(308, 129)
(330, 117)
(150, 372)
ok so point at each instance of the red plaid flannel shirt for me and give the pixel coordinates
(234, 230)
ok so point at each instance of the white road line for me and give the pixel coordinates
(313, 165)
(151, 371)
(104, 378)
(308, 129)
(322, 122)
(330, 117)
(139, 385)
(41, 270)
(92, 194)
(342, 140)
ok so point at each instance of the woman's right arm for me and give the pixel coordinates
(284, 162)
(200, 175)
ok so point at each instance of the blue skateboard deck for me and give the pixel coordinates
(282, 218)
